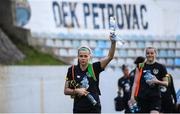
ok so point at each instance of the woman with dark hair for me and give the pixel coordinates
(82, 80)
(138, 60)
(124, 87)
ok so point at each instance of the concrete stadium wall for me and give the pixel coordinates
(33, 90)
(8, 21)
(5, 6)
(9, 54)
(40, 89)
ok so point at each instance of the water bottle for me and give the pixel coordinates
(91, 99)
(85, 84)
(113, 27)
(148, 75)
(134, 108)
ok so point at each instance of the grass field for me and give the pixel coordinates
(35, 57)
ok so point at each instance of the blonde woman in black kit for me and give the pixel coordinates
(146, 91)
(89, 85)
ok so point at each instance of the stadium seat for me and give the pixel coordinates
(133, 44)
(177, 61)
(98, 52)
(122, 53)
(134, 37)
(131, 53)
(178, 37)
(73, 52)
(177, 53)
(74, 36)
(87, 36)
(141, 44)
(141, 37)
(50, 43)
(63, 52)
(139, 52)
(126, 45)
(162, 53)
(163, 61)
(84, 42)
(149, 37)
(178, 44)
(92, 43)
(77, 35)
(164, 44)
(68, 35)
(156, 44)
(58, 43)
(61, 35)
(172, 45)
(67, 43)
(101, 44)
(76, 43)
(105, 52)
(108, 43)
(170, 62)
(148, 44)
(171, 53)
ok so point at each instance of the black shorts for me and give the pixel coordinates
(148, 104)
(167, 105)
(92, 109)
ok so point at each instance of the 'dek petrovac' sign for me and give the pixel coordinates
(92, 16)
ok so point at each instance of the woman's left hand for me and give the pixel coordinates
(153, 81)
